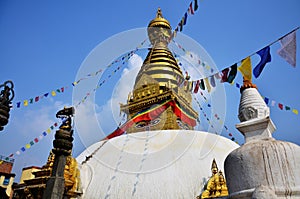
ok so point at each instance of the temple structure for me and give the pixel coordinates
(162, 155)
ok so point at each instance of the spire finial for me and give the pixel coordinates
(247, 83)
(214, 167)
(159, 13)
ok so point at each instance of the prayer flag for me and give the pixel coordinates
(295, 111)
(191, 10)
(265, 57)
(18, 152)
(23, 149)
(36, 140)
(212, 81)
(202, 85)
(37, 99)
(53, 93)
(266, 100)
(197, 86)
(287, 108)
(48, 130)
(224, 77)
(180, 25)
(218, 76)
(280, 106)
(246, 68)
(31, 100)
(207, 84)
(27, 146)
(44, 133)
(25, 102)
(184, 18)
(273, 103)
(237, 85)
(288, 48)
(18, 104)
(31, 143)
(46, 94)
(232, 73)
(195, 5)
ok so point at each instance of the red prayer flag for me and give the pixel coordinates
(191, 10)
(280, 106)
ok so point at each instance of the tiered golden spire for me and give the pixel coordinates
(158, 80)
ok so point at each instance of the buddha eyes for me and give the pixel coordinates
(151, 123)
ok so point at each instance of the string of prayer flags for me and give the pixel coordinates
(209, 121)
(62, 89)
(288, 48)
(265, 57)
(38, 98)
(246, 68)
(35, 140)
(124, 60)
(190, 11)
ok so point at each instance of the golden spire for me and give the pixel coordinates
(157, 81)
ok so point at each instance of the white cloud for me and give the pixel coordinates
(120, 92)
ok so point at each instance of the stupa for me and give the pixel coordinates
(263, 167)
(161, 155)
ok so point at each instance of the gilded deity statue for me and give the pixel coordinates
(216, 185)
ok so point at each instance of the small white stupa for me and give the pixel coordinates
(263, 167)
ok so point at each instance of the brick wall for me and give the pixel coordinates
(6, 167)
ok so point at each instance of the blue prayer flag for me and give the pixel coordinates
(265, 57)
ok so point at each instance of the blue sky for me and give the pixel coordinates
(43, 45)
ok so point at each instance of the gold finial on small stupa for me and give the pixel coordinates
(247, 84)
(214, 167)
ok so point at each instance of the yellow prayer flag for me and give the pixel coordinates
(246, 68)
(25, 102)
(1, 161)
(48, 130)
(27, 146)
(207, 84)
(295, 111)
(53, 93)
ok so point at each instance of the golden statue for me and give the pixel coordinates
(216, 185)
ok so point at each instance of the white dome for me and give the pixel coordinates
(153, 164)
